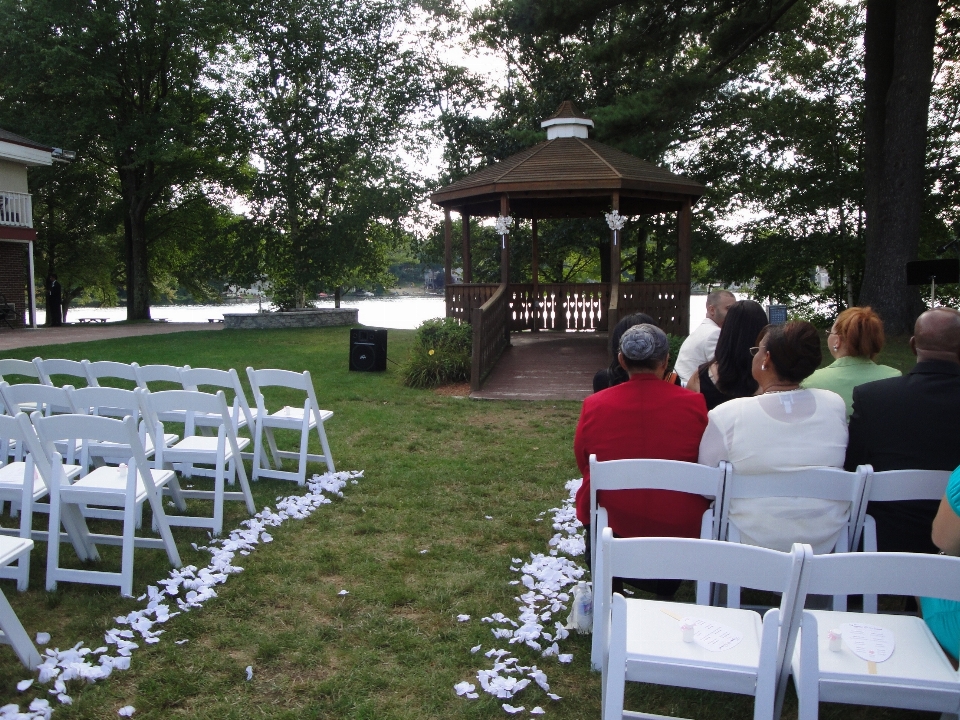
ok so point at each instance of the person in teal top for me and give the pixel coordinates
(943, 616)
(854, 340)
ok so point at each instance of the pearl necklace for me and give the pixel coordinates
(773, 392)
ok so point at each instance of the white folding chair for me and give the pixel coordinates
(167, 374)
(821, 483)
(110, 370)
(24, 368)
(893, 486)
(121, 487)
(918, 675)
(222, 451)
(47, 400)
(229, 380)
(22, 486)
(647, 474)
(117, 402)
(11, 631)
(111, 402)
(69, 368)
(643, 640)
(304, 419)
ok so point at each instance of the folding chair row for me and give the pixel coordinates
(306, 419)
(735, 650)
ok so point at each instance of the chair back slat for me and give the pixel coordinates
(57, 366)
(158, 373)
(10, 366)
(883, 573)
(110, 369)
(279, 378)
(48, 399)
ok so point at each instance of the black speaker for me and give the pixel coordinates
(368, 350)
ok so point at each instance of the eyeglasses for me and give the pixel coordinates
(754, 351)
(830, 332)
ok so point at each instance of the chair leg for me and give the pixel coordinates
(257, 448)
(245, 487)
(615, 678)
(129, 538)
(304, 439)
(17, 636)
(53, 537)
(274, 452)
(218, 483)
(325, 445)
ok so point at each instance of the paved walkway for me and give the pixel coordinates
(546, 366)
(14, 339)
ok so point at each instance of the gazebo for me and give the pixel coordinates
(566, 176)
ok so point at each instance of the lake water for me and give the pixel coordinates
(400, 313)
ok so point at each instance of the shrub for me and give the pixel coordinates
(441, 354)
(675, 342)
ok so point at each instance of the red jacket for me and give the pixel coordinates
(642, 418)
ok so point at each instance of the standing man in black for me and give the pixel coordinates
(911, 422)
(54, 300)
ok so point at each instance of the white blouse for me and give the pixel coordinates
(778, 432)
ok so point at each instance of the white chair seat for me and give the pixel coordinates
(168, 439)
(657, 637)
(295, 417)
(917, 656)
(200, 444)
(114, 481)
(11, 481)
(11, 548)
(11, 476)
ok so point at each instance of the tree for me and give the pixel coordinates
(75, 215)
(899, 41)
(329, 97)
(124, 82)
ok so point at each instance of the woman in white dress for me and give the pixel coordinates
(782, 428)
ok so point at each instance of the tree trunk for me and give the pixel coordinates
(135, 237)
(899, 42)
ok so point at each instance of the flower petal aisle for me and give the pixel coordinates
(538, 626)
(184, 590)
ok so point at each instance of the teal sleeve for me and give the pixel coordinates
(953, 491)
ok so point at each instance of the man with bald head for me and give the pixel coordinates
(700, 345)
(911, 422)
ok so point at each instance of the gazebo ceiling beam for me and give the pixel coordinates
(557, 208)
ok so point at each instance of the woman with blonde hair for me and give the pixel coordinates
(854, 340)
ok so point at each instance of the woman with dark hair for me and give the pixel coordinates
(615, 374)
(730, 376)
(780, 429)
(855, 339)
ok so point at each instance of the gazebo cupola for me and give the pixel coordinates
(568, 175)
(567, 122)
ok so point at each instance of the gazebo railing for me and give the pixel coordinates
(491, 335)
(578, 306)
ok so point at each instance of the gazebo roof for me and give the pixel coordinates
(569, 177)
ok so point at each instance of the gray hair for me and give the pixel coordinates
(644, 345)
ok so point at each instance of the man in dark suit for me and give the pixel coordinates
(911, 422)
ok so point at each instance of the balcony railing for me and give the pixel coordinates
(16, 209)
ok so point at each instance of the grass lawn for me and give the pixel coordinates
(435, 466)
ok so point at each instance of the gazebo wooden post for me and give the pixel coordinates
(535, 272)
(447, 250)
(615, 257)
(505, 248)
(615, 242)
(467, 265)
(684, 259)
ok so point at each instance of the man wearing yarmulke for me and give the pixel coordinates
(644, 417)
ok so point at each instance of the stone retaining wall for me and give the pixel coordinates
(323, 317)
